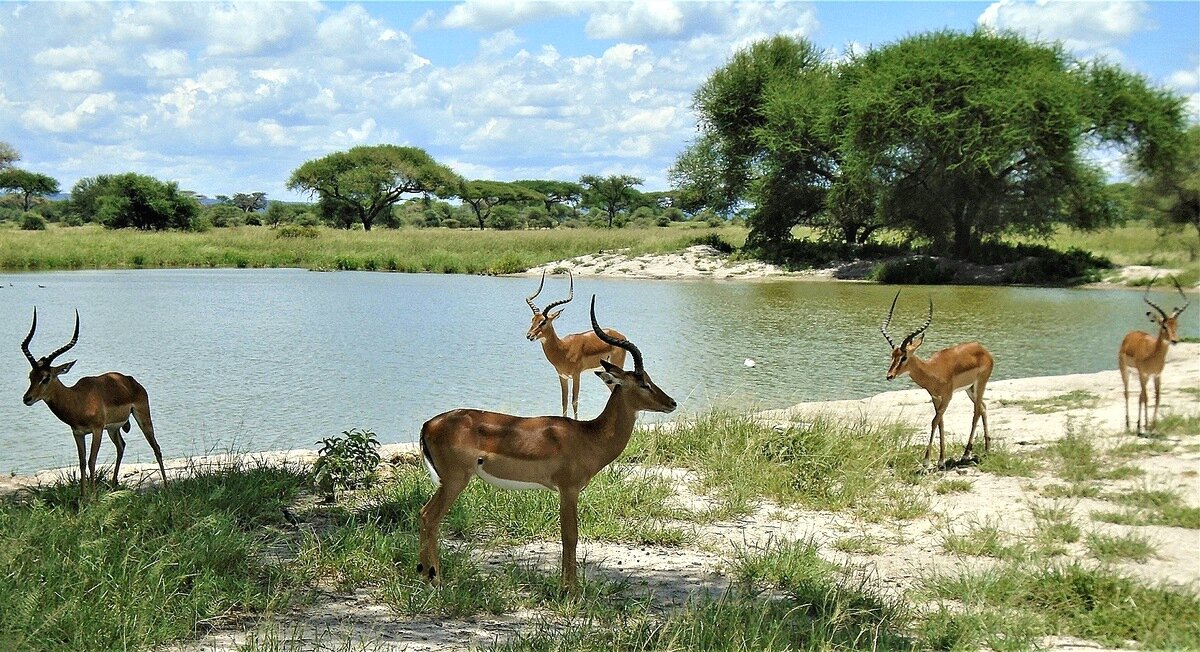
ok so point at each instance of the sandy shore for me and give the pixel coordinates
(913, 547)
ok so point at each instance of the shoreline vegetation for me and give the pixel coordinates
(810, 528)
(1136, 253)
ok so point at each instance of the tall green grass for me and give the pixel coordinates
(130, 570)
(403, 250)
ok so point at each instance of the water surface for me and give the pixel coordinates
(276, 359)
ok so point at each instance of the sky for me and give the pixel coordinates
(227, 98)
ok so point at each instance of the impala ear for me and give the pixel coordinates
(608, 366)
(63, 368)
(555, 314)
(1151, 316)
(916, 343)
(609, 379)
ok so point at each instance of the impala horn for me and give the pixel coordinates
(74, 338)
(529, 299)
(570, 295)
(1177, 311)
(1146, 298)
(886, 322)
(624, 344)
(28, 339)
(928, 321)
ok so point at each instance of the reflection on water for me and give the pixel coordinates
(270, 359)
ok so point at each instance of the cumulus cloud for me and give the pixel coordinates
(42, 119)
(1083, 27)
(76, 80)
(488, 15)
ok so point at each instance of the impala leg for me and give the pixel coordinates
(562, 383)
(574, 396)
(93, 454)
(119, 442)
(1157, 394)
(932, 429)
(428, 563)
(568, 514)
(147, 427)
(82, 462)
(1143, 414)
(1125, 385)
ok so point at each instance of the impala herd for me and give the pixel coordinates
(560, 453)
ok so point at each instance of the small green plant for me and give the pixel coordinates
(1116, 548)
(346, 462)
(1071, 400)
(33, 222)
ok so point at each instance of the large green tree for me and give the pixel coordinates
(132, 200)
(249, 201)
(1172, 193)
(27, 184)
(366, 181)
(612, 193)
(979, 134)
(555, 193)
(948, 136)
(483, 196)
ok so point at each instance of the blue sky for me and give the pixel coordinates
(226, 98)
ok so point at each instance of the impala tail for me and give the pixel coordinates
(433, 474)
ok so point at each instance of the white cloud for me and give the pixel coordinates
(94, 55)
(211, 87)
(1185, 80)
(76, 80)
(255, 28)
(499, 43)
(167, 63)
(488, 15)
(642, 19)
(1081, 26)
(68, 121)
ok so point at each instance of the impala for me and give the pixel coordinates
(573, 354)
(92, 405)
(1147, 354)
(550, 452)
(964, 365)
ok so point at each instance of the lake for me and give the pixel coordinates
(253, 360)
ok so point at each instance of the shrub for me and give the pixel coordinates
(715, 241)
(33, 222)
(297, 231)
(346, 462)
(919, 270)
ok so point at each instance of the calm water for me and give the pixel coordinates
(274, 359)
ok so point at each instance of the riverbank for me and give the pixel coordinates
(675, 538)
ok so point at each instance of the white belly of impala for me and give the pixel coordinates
(503, 483)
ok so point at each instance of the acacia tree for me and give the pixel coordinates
(249, 202)
(27, 184)
(555, 192)
(612, 193)
(979, 134)
(483, 196)
(1172, 194)
(367, 180)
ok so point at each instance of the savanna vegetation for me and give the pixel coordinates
(938, 154)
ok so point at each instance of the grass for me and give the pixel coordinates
(131, 570)
(953, 486)
(983, 540)
(1137, 244)
(403, 250)
(825, 464)
(1011, 605)
(1115, 548)
(1071, 400)
(1076, 459)
(1151, 507)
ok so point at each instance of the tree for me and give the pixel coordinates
(27, 184)
(134, 200)
(974, 135)
(249, 202)
(1172, 193)
(8, 155)
(368, 180)
(556, 193)
(483, 196)
(765, 139)
(612, 193)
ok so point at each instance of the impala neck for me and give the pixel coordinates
(62, 402)
(616, 421)
(550, 341)
(921, 373)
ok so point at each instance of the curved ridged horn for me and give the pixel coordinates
(1146, 298)
(74, 338)
(928, 321)
(886, 322)
(570, 295)
(529, 299)
(28, 339)
(624, 344)
(1185, 299)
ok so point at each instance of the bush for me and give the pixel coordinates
(919, 270)
(297, 231)
(1057, 267)
(33, 222)
(715, 241)
(346, 462)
